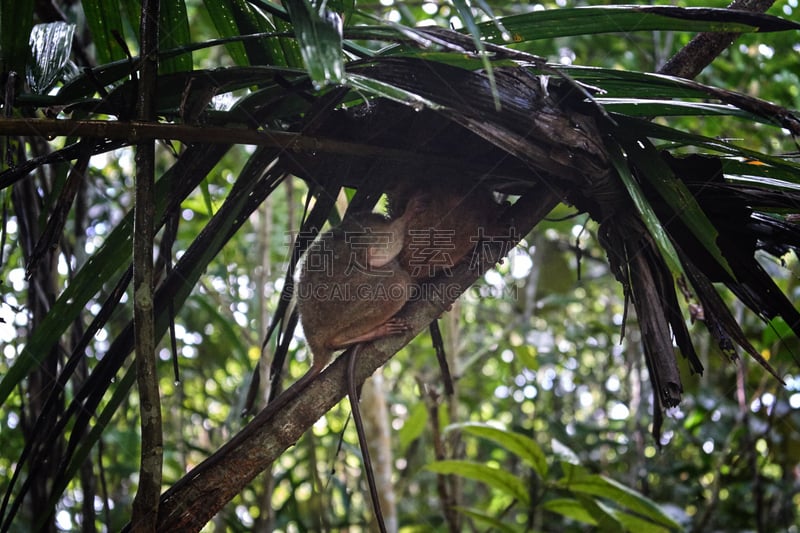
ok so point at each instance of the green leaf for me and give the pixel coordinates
(386, 90)
(319, 32)
(466, 62)
(289, 49)
(16, 21)
(695, 420)
(85, 85)
(51, 45)
(518, 444)
(132, 13)
(652, 168)
(642, 204)
(484, 518)
(628, 84)
(632, 522)
(413, 427)
(668, 108)
(577, 480)
(172, 88)
(347, 8)
(761, 174)
(221, 14)
(500, 480)
(250, 21)
(527, 356)
(563, 452)
(548, 24)
(113, 255)
(104, 19)
(229, 335)
(605, 519)
(203, 250)
(173, 33)
(570, 508)
(207, 201)
(120, 395)
(758, 163)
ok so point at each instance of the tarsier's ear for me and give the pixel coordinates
(382, 253)
(379, 257)
(417, 204)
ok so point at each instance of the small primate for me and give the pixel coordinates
(445, 231)
(349, 288)
(350, 285)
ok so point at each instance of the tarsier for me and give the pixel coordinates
(443, 234)
(350, 285)
(349, 288)
(355, 278)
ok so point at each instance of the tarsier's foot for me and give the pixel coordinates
(396, 325)
(392, 326)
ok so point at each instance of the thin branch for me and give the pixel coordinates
(705, 47)
(145, 504)
(296, 146)
(137, 131)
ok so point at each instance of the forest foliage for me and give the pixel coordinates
(553, 423)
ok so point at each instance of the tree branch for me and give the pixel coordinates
(146, 501)
(690, 60)
(296, 145)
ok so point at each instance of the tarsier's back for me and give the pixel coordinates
(446, 231)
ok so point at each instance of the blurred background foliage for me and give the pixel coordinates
(535, 346)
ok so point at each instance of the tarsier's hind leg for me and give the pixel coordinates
(393, 326)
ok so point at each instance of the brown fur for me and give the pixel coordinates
(446, 229)
(350, 284)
